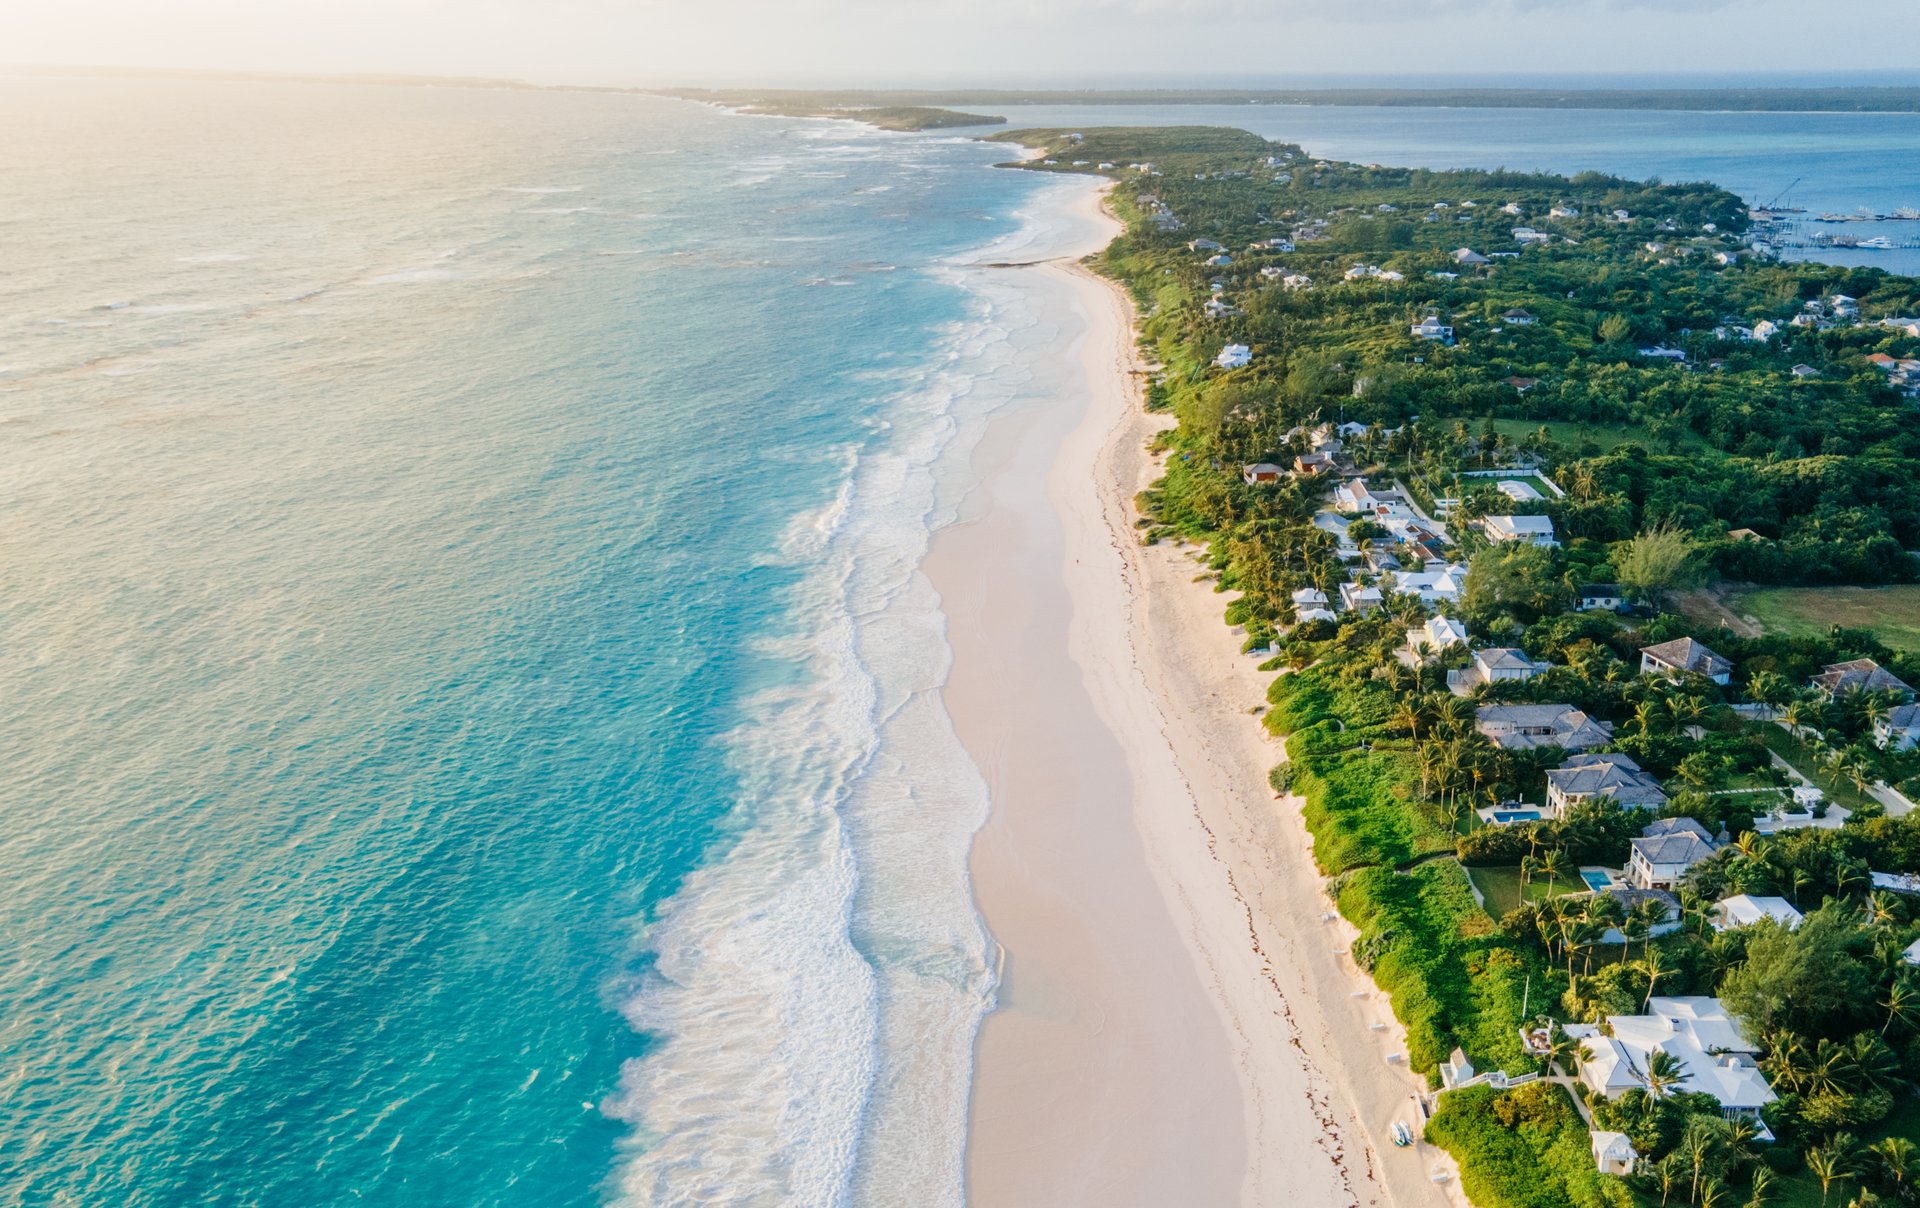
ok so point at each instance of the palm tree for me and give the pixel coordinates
(1406, 716)
(1899, 1003)
(1655, 967)
(1558, 864)
(1757, 1190)
(1648, 913)
(1828, 1164)
(1881, 911)
(1664, 1073)
(1795, 715)
(1894, 1156)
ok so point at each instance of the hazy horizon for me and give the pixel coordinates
(1006, 43)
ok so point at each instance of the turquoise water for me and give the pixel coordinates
(436, 528)
(1820, 162)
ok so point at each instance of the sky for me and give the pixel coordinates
(973, 42)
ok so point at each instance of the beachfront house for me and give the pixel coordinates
(1744, 910)
(1234, 356)
(1584, 777)
(1713, 1052)
(1898, 729)
(1491, 666)
(1665, 850)
(1261, 474)
(1431, 328)
(1526, 727)
(1684, 656)
(1858, 675)
(1534, 530)
(1613, 1153)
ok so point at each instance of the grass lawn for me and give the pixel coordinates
(1800, 755)
(1607, 436)
(1892, 613)
(1500, 886)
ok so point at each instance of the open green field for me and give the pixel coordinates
(1607, 436)
(1892, 613)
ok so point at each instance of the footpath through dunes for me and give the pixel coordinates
(1175, 1024)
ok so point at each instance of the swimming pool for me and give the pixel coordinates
(1597, 879)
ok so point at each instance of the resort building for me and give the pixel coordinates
(1261, 474)
(1714, 1054)
(1899, 730)
(1743, 910)
(1525, 727)
(1491, 666)
(1665, 851)
(1534, 530)
(1859, 675)
(1585, 777)
(1684, 656)
(1600, 597)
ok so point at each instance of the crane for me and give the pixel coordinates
(1781, 195)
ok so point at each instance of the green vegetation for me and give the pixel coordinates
(1891, 613)
(887, 117)
(1391, 765)
(1523, 1149)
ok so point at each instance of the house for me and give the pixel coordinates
(1522, 384)
(1362, 598)
(1204, 245)
(1743, 910)
(1600, 597)
(1381, 561)
(1805, 371)
(1529, 235)
(1468, 256)
(1764, 330)
(1438, 634)
(1684, 656)
(1563, 212)
(1912, 953)
(1517, 318)
(1297, 281)
(1309, 597)
(1859, 675)
(1220, 261)
(1899, 729)
(1534, 530)
(1218, 307)
(1492, 666)
(1234, 356)
(1613, 1153)
(1431, 328)
(1516, 490)
(1661, 353)
(1356, 496)
(1744, 534)
(1711, 1048)
(1438, 584)
(1525, 727)
(1261, 474)
(1584, 777)
(1665, 850)
(1314, 464)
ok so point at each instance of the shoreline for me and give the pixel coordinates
(1248, 1062)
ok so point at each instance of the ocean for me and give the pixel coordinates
(473, 733)
(470, 737)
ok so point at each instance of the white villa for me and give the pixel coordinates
(1431, 328)
(1492, 665)
(1585, 777)
(1362, 598)
(1743, 910)
(1440, 583)
(1684, 656)
(1234, 356)
(1534, 530)
(1665, 851)
(1524, 727)
(1708, 1043)
(1439, 633)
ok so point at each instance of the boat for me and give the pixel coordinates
(1878, 243)
(1402, 1135)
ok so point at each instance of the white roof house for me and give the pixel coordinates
(1467, 255)
(1517, 491)
(1899, 729)
(1440, 583)
(1234, 356)
(1439, 633)
(1613, 1153)
(1309, 597)
(1534, 530)
(1744, 910)
(1431, 328)
(1359, 597)
(1912, 953)
(1713, 1052)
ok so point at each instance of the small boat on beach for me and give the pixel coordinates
(1402, 1135)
